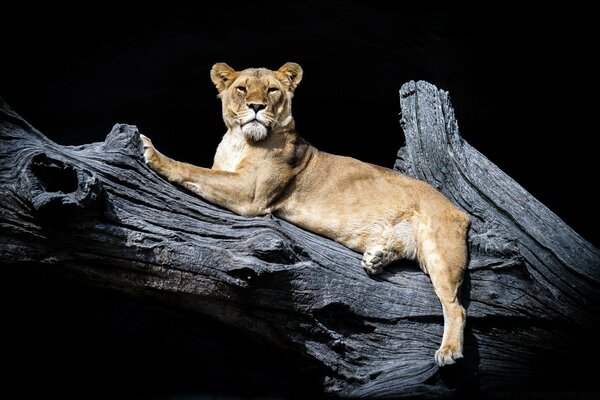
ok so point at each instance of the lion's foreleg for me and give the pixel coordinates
(227, 189)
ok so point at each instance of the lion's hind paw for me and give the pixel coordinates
(373, 260)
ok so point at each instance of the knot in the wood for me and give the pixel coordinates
(273, 248)
(54, 175)
(56, 188)
(124, 138)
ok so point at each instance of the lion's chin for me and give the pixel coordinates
(255, 131)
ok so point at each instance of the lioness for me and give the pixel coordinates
(262, 166)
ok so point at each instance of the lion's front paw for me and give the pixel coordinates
(150, 153)
(373, 260)
(447, 355)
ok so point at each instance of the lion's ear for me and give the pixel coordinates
(222, 76)
(290, 75)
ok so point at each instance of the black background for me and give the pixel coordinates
(522, 84)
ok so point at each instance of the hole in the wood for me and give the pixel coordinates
(244, 273)
(54, 175)
(340, 318)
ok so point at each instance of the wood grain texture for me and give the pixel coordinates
(97, 213)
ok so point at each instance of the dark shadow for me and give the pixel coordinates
(78, 341)
(402, 266)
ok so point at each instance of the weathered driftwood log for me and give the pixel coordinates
(97, 213)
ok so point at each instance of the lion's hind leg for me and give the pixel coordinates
(443, 255)
(392, 243)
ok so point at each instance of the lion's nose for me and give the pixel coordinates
(256, 106)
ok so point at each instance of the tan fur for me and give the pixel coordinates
(263, 167)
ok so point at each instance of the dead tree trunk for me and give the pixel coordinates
(97, 213)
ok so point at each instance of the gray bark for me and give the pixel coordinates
(96, 213)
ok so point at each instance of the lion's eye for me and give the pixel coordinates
(272, 90)
(241, 89)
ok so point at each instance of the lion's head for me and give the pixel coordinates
(256, 100)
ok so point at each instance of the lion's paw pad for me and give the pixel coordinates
(447, 356)
(372, 261)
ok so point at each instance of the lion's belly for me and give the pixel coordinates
(357, 226)
(358, 204)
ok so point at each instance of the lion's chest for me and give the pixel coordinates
(230, 152)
